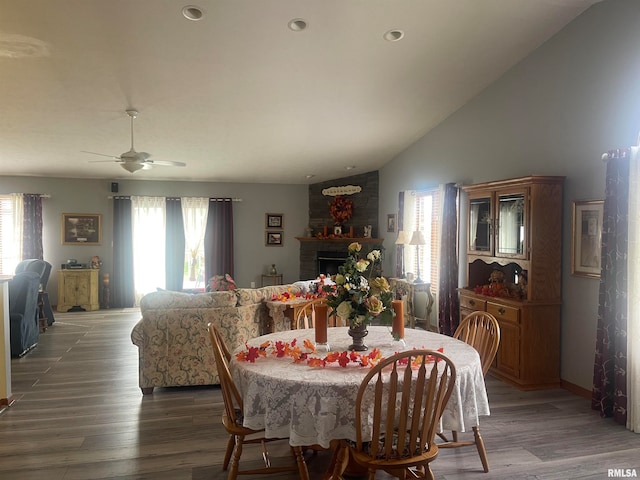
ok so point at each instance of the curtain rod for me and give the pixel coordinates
(220, 199)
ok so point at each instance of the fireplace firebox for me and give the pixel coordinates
(328, 262)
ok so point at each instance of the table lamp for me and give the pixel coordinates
(418, 239)
(402, 239)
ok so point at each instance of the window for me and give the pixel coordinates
(422, 213)
(148, 225)
(10, 232)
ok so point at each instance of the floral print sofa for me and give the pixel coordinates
(172, 337)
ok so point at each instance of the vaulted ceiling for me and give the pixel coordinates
(243, 94)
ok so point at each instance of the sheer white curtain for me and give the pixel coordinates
(148, 228)
(194, 216)
(633, 298)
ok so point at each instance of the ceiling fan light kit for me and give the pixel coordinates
(133, 161)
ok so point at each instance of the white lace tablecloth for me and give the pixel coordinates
(312, 405)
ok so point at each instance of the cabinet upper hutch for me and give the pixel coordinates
(514, 234)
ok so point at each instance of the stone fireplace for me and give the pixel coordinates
(319, 254)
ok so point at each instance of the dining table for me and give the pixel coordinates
(311, 404)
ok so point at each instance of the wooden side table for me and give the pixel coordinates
(272, 279)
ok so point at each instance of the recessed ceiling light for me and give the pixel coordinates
(350, 167)
(393, 35)
(192, 12)
(297, 24)
(309, 176)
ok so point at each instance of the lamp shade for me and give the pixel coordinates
(403, 238)
(417, 238)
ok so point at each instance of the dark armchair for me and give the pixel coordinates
(23, 312)
(42, 268)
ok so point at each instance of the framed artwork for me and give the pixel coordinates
(587, 238)
(274, 220)
(81, 229)
(391, 222)
(273, 239)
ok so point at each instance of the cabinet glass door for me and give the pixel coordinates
(480, 218)
(511, 240)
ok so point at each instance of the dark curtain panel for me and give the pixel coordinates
(609, 394)
(400, 248)
(448, 303)
(218, 238)
(32, 229)
(175, 245)
(121, 284)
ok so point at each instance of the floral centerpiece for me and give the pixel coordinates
(357, 296)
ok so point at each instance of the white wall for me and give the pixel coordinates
(555, 113)
(252, 257)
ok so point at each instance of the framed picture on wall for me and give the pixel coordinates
(391, 222)
(273, 239)
(81, 229)
(274, 220)
(587, 238)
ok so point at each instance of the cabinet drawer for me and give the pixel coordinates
(503, 312)
(472, 303)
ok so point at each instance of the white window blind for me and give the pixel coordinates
(10, 232)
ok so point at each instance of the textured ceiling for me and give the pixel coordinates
(238, 96)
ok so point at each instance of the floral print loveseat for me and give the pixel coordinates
(172, 337)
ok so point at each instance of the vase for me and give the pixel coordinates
(358, 333)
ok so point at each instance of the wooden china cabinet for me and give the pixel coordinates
(515, 230)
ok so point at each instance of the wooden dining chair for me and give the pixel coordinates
(306, 315)
(398, 409)
(482, 331)
(240, 435)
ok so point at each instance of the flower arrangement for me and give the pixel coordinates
(219, 283)
(341, 209)
(356, 296)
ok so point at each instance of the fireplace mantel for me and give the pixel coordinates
(341, 239)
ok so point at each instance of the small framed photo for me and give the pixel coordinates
(587, 238)
(273, 239)
(81, 229)
(391, 222)
(274, 220)
(337, 230)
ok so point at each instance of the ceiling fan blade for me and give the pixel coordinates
(102, 154)
(166, 163)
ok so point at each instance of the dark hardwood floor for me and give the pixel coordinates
(79, 414)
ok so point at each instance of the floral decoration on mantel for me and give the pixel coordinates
(304, 354)
(340, 209)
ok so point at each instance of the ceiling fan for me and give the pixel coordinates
(133, 161)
